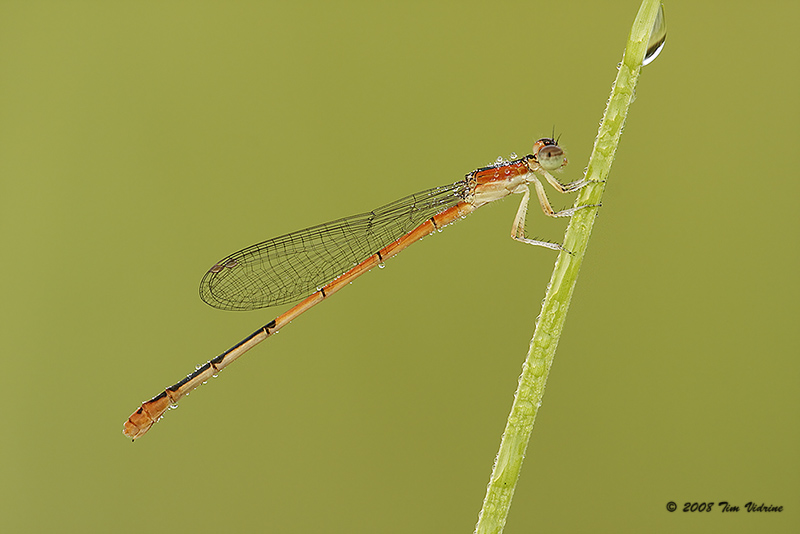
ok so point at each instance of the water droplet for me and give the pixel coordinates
(658, 37)
(381, 265)
(537, 366)
(513, 155)
(499, 159)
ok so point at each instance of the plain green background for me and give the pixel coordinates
(142, 141)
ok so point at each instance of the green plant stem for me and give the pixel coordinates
(542, 349)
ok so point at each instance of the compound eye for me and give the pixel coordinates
(550, 157)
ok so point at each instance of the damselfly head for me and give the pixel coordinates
(548, 154)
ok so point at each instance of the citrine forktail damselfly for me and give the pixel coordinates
(317, 262)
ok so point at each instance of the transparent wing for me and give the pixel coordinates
(292, 266)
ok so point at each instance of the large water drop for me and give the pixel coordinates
(657, 37)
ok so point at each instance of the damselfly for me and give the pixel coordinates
(315, 263)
